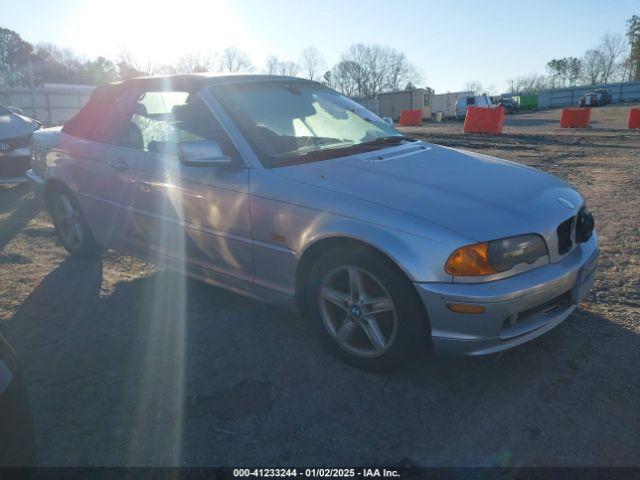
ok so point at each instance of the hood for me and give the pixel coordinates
(15, 126)
(480, 197)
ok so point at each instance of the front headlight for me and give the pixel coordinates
(496, 256)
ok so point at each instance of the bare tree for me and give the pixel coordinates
(271, 65)
(528, 84)
(289, 68)
(234, 60)
(130, 66)
(342, 77)
(623, 69)
(612, 46)
(196, 63)
(400, 71)
(275, 66)
(368, 70)
(478, 89)
(312, 63)
(594, 65)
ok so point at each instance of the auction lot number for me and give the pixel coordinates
(314, 472)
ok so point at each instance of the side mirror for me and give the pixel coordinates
(388, 120)
(203, 153)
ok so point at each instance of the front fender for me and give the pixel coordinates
(421, 259)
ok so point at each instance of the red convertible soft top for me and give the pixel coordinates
(101, 110)
(111, 104)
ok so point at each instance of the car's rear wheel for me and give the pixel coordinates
(70, 224)
(367, 310)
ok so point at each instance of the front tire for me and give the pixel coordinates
(71, 226)
(367, 311)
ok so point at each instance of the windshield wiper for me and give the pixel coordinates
(390, 139)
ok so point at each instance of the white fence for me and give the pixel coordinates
(564, 97)
(52, 104)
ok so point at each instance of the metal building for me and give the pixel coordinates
(565, 97)
(392, 103)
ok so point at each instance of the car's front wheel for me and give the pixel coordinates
(367, 310)
(70, 224)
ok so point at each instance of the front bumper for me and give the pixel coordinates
(37, 182)
(516, 309)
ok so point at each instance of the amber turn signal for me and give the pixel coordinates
(470, 260)
(462, 308)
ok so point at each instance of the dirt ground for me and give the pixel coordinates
(119, 374)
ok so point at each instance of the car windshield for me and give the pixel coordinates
(298, 122)
(4, 111)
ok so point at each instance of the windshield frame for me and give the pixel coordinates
(332, 151)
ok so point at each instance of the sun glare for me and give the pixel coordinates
(160, 32)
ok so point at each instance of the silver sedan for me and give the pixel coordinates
(287, 191)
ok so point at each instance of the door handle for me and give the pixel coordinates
(118, 163)
(144, 187)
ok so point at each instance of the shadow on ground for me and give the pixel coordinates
(22, 205)
(140, 376)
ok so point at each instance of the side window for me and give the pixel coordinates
(162, 120)
(471, 100)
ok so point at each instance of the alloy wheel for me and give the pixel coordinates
(357, 311)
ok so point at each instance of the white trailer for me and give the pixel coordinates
(446, 103)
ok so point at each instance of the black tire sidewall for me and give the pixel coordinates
(413, 336)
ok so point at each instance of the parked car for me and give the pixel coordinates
(465, 101)
(287, 191)
(15, 150)
(597, 98)
(510, 105)
(16, 426)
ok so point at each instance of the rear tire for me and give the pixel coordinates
(70, 225)
(367, 311)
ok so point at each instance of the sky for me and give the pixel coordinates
(451, 42)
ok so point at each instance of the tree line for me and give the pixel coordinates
(616, 58)
(361, 71)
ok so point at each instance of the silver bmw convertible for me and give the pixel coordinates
(284, 190)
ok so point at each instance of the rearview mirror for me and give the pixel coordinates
(203, 153)
(388, 120)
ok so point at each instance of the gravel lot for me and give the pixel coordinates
(121, 372)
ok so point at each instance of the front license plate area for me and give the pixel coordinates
(585, 280)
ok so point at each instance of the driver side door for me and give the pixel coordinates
(192, 218)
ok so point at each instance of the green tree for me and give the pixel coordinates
(100, 71)
(633, 35)
(564, 71)
(14, 56)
